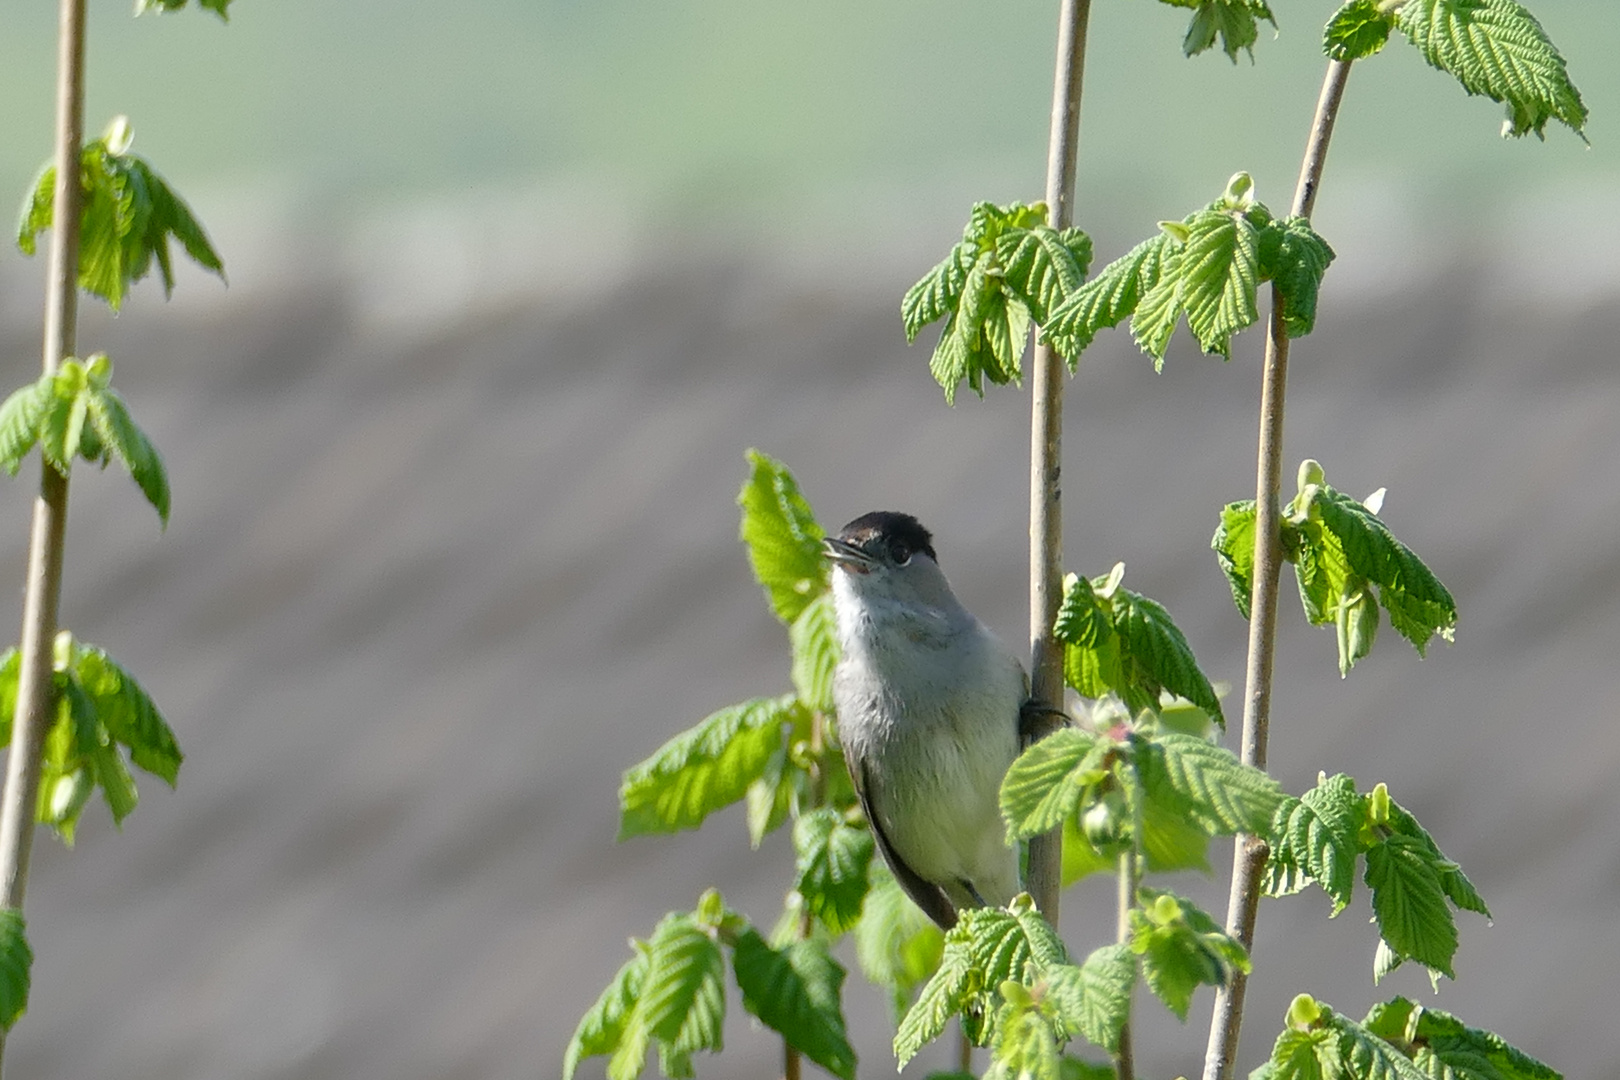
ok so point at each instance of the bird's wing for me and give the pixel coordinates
(928, 896)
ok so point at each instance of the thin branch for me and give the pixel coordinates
(1249, 853)
(43, 589)
(1046, 446)
(1129, 876)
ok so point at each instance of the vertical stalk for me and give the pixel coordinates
(1046, 445)
(1249, 852)
(43, 588)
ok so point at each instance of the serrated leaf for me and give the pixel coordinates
(1106, 300)
(898, 946)
(1313, 838)
(1301, 260)
(128, 713)
(1216, 790)
(1042, 266)
(1219, 276)
(783, 537)
(16, 965)
(1373, 552)
(1306, 1055)
(1356, 31)
(935, 296)
(832, 862)
(1159, 309)
(1235, 22)
(1045, 783)
(683, 1000)
(1443, 1046)
(1026, 1042)
(1233, 544)
(1498, 49)
(1170, 841)
(603, 1025)
(1181, 948)
(1094, 998)
(795, 992)
(218, 7)
(1410, 905)
(703, 769)
(20, 419)
(770, 799)
(1453, 881)
(814, 640)
(1157, 655)
(1365, 1056)
(120, 437)
(942, 997)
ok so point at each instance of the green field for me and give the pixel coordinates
(738, 110)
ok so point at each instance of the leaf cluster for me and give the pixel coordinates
(16, 964)
(1009, 271)
(75, 413)
(1120, 642)
(1207, 267)
(1495, 48)
(1318, 837)
(671, 995)
(99, 708)
(1181, 948)
(1235, 22)
(1348, 564)
(130, 212)
(218, 7)
(1397, 1040)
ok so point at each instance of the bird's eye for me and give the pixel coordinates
(899, 552)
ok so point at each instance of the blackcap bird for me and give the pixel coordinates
(928, 713)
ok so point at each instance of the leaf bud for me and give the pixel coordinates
(1304, 1013)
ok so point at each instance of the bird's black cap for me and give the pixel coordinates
(884, 529)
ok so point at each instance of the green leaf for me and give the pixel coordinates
(1297, 269)
(936, 295)
(683, 1000)
(1219, 277)
(1181, 948)
(1374, 553)
(1443, 1046)
(832, 863)
(1498, 49)
(1026, 1041)
(129, 215)
(814, 639)
(1044, 786)
(795, 992)
(1453, 881)
(1410, 904)
(119, 437)
(1042, 266)
(1159, 656)
(704, 768)
(1313, 838)
(897, 945)
(16, 963)
(218, 7)
(771, 798)
(1159, 309)
(21, 418)
(128, 713)
(942, 997)
(1094, 999)
(1305, 1055)
(1233, 544)
(1216, 790)
(1106, 300)
(602, 1028)
(1365, 1056)
(1357, 31)
(1235, 22)
(783, 538)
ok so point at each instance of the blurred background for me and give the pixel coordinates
(513, 286)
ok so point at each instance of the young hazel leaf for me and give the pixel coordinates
(1159, 309)
(942, 997)
(704, 768)
(128, 713)
(1044, 786)
(1104, 301)
(119, 437)
(1041, 267)
(1234, 21)
(1313, 838)
(783, 537)
(832, 862)
(936, 295)
(897, 945)
(1233, 544)
(1365, 1056)
(795, 992)
(1357, 31)
(1219, 277)
(20, 420)
(1444, 1046)
(1217, 790)
(1157, 656)
(602, 1028)
(1458, 889)
(1297, 269)
(1181, 948)
(16, 963)
(683, 1000)
(218, 7)
(1498, 49)
(1304, 1055)
(814, 639)
(1095, 998)
(1410, 904)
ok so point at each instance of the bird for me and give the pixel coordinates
(928, 704)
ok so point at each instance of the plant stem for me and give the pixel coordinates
(1046, 445)
(1249, 852)
(1125, 1058)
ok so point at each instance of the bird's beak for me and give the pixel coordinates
(843, 553)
